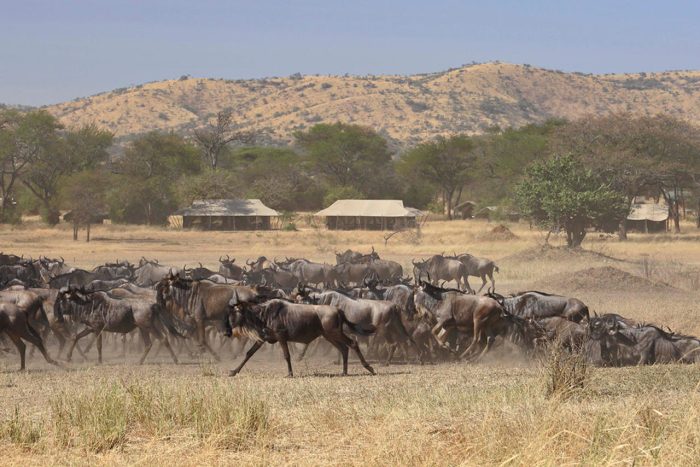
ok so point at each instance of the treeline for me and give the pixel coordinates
(47, 168)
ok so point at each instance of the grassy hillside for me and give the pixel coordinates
(406, 109)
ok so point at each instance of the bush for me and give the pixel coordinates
(566, 373)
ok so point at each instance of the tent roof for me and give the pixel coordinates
(648, 211)
(368, 208)
(228, 208)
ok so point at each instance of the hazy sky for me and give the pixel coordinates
(56, 50)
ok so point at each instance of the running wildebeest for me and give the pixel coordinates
(15, 324)
(199, 302)
(441, 268)
(483, 318)
(478, 267)
(384, 316)
(539, 305)
(282, 321)
(99, 313)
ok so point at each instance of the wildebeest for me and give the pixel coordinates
(441, 268)
(383, 315)
(150, 272)
(348, 256)
(15, 324)
(537, 305)
(79, 278)
(229, 269)
(103, 286)
(480, 317)
(309, 272)
(643, 344)
(116, 270)
(101, 313)
(478, 267)
(199, 273)
(282, 321)
(199, 302)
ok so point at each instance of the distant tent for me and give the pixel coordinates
(647, 217)
(466, 209)
(369, 214)
(228, 214)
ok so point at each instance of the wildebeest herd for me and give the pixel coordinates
(363, 303)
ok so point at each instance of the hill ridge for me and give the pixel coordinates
(407, 109)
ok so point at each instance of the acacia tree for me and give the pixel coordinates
(561, 193)
(658, 154)
(213, 139)
(445, 163)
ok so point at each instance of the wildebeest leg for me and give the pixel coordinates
(166, 343)
(78, 336)
(487, 347)
(468, 287)
(21, 348)
(303, 352)
(493, 281)
(202, 335)
(147, 342)
(483, 283)
(343, 350)
(38, 343)
(249, 354)
(98, 344)
(440, 334)
(285, 351)
(345, 340)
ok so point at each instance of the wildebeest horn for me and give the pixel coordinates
(249, 262)
(62, 260)
(200, 266)
(220, 259)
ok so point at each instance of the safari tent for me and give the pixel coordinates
(647, 216)
(369, 214)
(228, 214)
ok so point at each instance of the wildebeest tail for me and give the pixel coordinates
(403, 333)
(173, 324)
(360, 329)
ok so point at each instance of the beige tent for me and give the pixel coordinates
(647, 217)
(369, 214)
(228, 214)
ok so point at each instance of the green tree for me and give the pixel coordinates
(561, 193)
(84, 194)
(658, 154)
(24, 139)
(349, 156)
(147, 176)
(445, 163)
(77, 150)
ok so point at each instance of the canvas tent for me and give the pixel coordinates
(647, 217)
(228, 214)
(369, 214)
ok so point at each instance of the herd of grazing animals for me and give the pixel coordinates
(362, 301)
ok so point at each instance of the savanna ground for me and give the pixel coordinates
(493, 412)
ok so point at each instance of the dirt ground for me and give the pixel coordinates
(494, 412)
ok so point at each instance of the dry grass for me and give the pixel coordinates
(496, 412)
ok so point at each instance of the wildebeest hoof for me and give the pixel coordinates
(233, 372)
(371, 370)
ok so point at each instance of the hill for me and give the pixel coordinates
(406, 109)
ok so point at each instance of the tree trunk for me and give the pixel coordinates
(449, 194)
(53, 216)
(75, 231)
(622, 230)
(87, 237)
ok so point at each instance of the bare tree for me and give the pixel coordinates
(213, 139)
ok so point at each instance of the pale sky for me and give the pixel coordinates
(56, 50)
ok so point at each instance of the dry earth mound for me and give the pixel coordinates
(500, 232)
(550, 253)
(605, 278)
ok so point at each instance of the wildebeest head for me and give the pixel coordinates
(67, 299)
